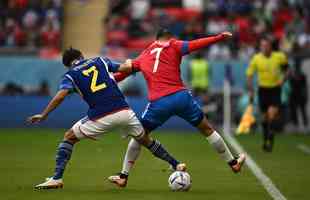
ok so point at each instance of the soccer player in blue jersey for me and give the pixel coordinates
(93, 80)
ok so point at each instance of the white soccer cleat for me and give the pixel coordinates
(240, 161)
(117, 180)
(50, 183)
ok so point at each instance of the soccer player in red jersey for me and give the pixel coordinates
(168, 96)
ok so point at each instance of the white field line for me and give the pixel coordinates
(266, 182)
(304, 148)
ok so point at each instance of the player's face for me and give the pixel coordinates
(265, 47)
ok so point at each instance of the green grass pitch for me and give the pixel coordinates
(27, 157)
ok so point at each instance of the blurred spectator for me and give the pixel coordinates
(139, 9)
(219, 51)
(12, 89)
(50, 35)
(199, 76)
(30, 23)
(281, 17)
(243, 25)
(304, 37)
(14, 35)
(217, 24)
(286, 20)
(197, 5)
(299, 96)
(43, 90)
(246, 51)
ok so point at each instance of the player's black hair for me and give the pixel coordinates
(163, 32)
(70, 55)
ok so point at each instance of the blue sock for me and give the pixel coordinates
(160, 152)
(63, 155)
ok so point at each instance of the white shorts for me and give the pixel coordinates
(124, 121)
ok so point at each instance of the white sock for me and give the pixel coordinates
(219, 145)
(133, 151)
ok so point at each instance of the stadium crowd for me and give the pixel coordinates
(32, 24)
(131, 23)
(13, 89)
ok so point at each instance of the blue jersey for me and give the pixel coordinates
(93, 80)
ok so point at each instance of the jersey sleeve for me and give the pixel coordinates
(112, 65)
(283, 58)
(252, 67)
(136, 63)
(186, 47)
(119, 76)
(182, 47)
(67, 84)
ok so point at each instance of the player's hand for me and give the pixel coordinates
(227, 34)
(36, 118)
(128, 62)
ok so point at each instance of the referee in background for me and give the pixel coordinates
(271, 68)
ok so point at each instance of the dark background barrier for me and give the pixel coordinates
(15, 110)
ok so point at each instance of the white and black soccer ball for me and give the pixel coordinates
(179, 181)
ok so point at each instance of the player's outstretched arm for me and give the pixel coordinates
(119, 76)
(53, 104)
(126, 67)
(201, 43)
(124, 70)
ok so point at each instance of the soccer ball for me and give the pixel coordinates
(179, 181)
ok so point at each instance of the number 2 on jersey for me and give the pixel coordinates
(93, 85)
(157, 51)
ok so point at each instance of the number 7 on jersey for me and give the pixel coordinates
(157, 51)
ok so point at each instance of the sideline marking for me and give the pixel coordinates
(266, 182)
(304, 148)
(273, 191)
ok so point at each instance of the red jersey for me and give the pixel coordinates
(160, 65)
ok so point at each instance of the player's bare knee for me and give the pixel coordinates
(70, 136)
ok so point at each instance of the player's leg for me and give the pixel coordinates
(272, 117)
(159, 151)
(273, 114)
(154, 115)
(154, 146)
(218, 143)
(132, 154)
(190, 111)
(140, 137)
(84, 128)
(63, 156)
(266, 130)
(264, 103)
